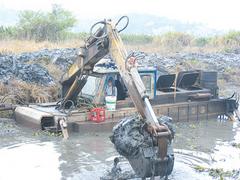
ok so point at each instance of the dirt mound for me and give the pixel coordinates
(29, 67)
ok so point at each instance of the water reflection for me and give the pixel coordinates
(203, 135)
(225, 155)
(85, 154)
(30, 161)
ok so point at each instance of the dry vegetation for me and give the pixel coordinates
(19, 92)
(173, 42)
(167, 43)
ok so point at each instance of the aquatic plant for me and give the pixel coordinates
(218, 172)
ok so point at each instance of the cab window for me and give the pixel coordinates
(91, 87)
(147, 81)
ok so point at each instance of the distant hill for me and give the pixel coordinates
(139, 24)
(148, 24)
(152, 25)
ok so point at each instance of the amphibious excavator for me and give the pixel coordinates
(150, 151)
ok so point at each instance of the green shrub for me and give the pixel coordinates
(201, 41)
(42, 26)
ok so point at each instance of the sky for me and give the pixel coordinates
(217, 14)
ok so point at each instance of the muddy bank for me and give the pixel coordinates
(31, 67)
(214, 61)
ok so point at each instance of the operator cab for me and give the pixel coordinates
(148, 76)
(97, 83)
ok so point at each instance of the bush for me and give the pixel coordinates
(201, 41)
(228, 41)
(232, 38)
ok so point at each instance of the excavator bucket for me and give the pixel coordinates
(148, 155)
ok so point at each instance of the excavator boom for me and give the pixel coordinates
(74, 80)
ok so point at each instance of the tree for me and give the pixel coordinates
(42, 26)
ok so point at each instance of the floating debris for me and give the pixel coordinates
(47, 133)
(8, 127)
(237, 145)
(218, 172)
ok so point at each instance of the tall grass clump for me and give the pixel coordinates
(20, 92)
(173, 41)
(232, 39)
(226, 42)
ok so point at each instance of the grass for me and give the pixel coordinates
(237, 145)
(217, 172)
(6, 114)
(169, 42)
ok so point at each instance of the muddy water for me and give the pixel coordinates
(27, 155)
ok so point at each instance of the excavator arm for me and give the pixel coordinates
(107, 40)
(76, 77)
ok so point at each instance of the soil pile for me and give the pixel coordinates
(30, 67)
